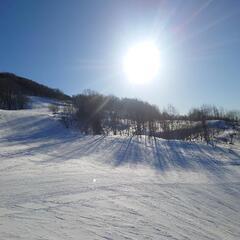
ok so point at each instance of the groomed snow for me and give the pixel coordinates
(56, 184)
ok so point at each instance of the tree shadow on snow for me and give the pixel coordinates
(46, 136)
(166, 155)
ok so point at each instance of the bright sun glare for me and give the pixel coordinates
(141, 63)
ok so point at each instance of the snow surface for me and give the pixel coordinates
(42, 102)
(56, 184)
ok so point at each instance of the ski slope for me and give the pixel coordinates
(57, 184)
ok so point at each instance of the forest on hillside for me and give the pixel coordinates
(14, 89)
(94, 113)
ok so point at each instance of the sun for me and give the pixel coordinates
(141, 63)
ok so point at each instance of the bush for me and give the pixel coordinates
(53, 108)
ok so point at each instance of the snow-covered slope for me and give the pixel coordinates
(55, 184)
(42, 102)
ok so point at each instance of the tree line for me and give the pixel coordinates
(94, 113)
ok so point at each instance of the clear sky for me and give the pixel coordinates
(75, 45)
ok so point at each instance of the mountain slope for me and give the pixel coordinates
(60, 185)
(11, 83)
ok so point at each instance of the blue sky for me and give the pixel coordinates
(75, 45)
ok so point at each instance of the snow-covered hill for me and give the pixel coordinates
(57, 184)
(42, 103)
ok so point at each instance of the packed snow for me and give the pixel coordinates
(58, 184)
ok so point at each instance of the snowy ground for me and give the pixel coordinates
(59, 185)
(42, 103)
